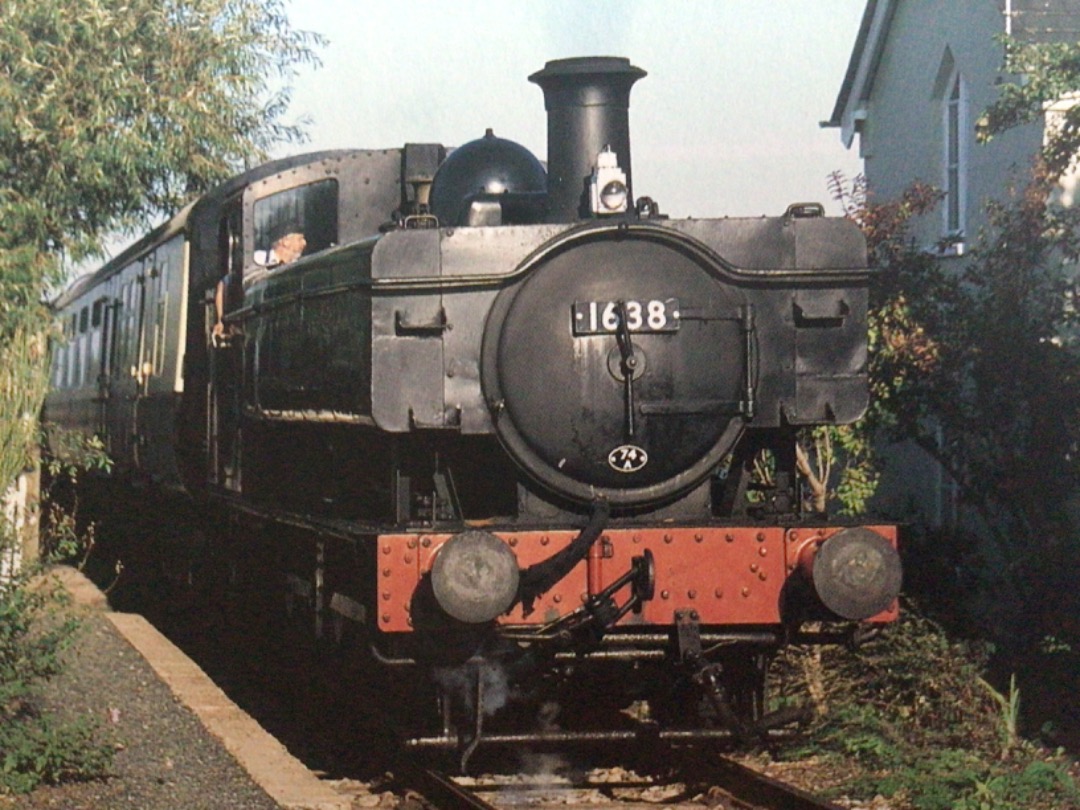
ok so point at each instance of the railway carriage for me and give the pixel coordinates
(117, 373)
(502, 417)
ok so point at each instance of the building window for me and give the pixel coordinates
(955, 175)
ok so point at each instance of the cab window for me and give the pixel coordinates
(310, 210)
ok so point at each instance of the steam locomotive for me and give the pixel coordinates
(502, 419)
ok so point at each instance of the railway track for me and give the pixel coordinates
(717, 782)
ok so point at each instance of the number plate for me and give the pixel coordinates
(602, 317)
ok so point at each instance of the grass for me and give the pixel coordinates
(36, 626)
(912, 717)
(36, 748)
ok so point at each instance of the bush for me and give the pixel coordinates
(29, 650)
(924, 727)
(35, 748)
(42, 750)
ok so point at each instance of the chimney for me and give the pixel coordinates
(587, 100)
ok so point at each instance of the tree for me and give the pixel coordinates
(1047, 73)
(111, 114)
(981, 367)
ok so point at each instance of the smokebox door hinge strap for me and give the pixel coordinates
(748, 326)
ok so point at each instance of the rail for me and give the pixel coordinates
(693, 774)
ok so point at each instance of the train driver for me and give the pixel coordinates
(286, 249)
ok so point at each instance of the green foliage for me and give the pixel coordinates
(978, 364)
(34, 748)
(28, 651)
(1044, 73)
(1014, 416)
(24, 274)
(996, 399)
(1009, 705)
(112, 112)
(915, 714)
(23, 382)
(62, 537)
(999, 404)
(42, 750)
(72, 452)
(1040, 784)
(939, 780)
(36, 626)
(838, 463)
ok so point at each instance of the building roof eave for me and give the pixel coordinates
(850, 108)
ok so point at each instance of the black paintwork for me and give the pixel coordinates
(428, 365)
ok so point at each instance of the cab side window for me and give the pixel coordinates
(310, 210)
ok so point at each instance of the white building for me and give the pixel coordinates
(921, 75)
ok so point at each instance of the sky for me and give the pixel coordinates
(725, 124)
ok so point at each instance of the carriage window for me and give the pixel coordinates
(95, 316)
(84, 359)
(84, 319)
(94, 359)
(159, 335)
(76, 363)
(58, 380)
(310, 210)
